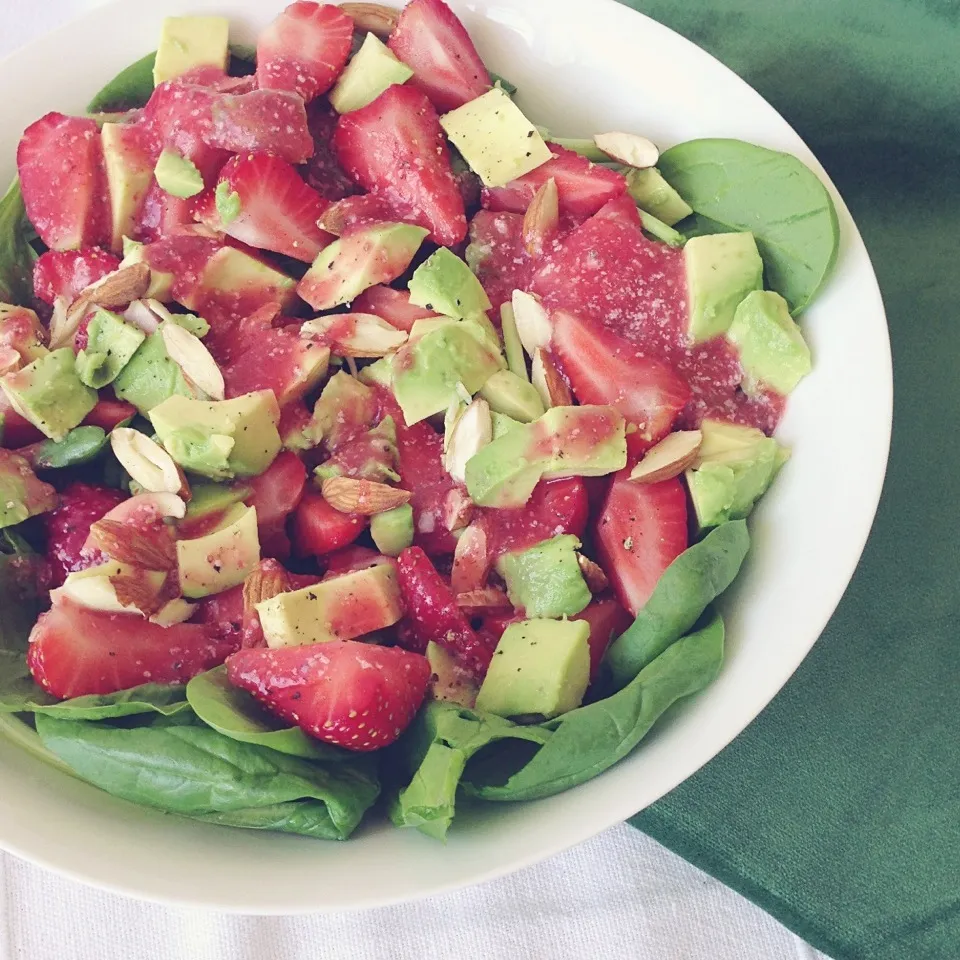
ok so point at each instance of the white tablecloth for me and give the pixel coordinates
(618, 896)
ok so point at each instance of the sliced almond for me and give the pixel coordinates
(59, 335)
(532, 321)
(194, 359)
(545, 377)
(142, 510)
(10, 359)
(593, 574)
(126, 544)
(471, 560)
(140, 314)
(336, 218)
(628, 148)
(542, 219)
(138, 589)
(489, 598)
(267, 581)
(669, 458)
(364, 497)
(373, 17)
(458, 509)
(356, 334)
(115, 291)
(472, 431)
(146, 461)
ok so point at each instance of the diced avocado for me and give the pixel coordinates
(652, 193)
(495, 138)
(426, 372)
(502, 424)
(540, 668)
(220, 439)
(93, 588)
(368, 456)
(372, 69)
(341, 608)
(22, 495)
(722, 268)
(21, 337)
(221, 559)
(363, 258)
(771, 348)
(509, 394)
(232, 271)
(49, 393)
(111, 344)
(177, 175)
(426, 325)
(190, 42)
(192, 323)
(209, 503)
(379, 373)
(129, 170)
(445, 284)
(449, 681)
(346, 406)
(512, 347)
(392, 530)
(545, 580)
(150, 377)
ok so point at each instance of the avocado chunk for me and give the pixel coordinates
(512, 395)
(392, 530)
(360, 259)
(378, 374)
(722, 268)
(540, 668)
(346, 406)
(372, 69)
(111, 345)
(22, 495)
(161, 281)
(177, 175)
(234, 272)
(208, 499)
(495, 138)
(49, 393)
(587, 441)
(449, 681)
(512, 347)
(445, 284)
(129, 170)
(151, 376)
(190, 42)
(21, 337)
(652, 193)
(341, 608)
(223, 558)
(426, 372)
(502, 424)
(771, 348)
(220, 439)
(94, 587)
(545, 580)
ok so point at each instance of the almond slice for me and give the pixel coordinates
(373, 17)
(146, 461)
(457, 509)
(118, 289)
(669, 458)
(542, 218)
(471, 560)
(127, 544)
(593, 574)
(267, 581)
(471, 432)
(356, 334)
(532, 321)
(137, 589)
(194, 359)
(60, 336)
(545, 377)
(142, 316)
(489, 598)
(628, 148)
(364, 497)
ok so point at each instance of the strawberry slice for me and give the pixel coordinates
(75, 651)
(356, 695)
(605, 369)
(394, 147)
(323, 171)
(109, 413)
(64, 273)
(351, 559)
(431, 40)
(498, 256)
(319, 529)
(607, 620)
(276, 494)
(263, 120)
(391, 305)
(583, 187)
(17, 431)
(641, 530)
(304, 49)
(60, 162)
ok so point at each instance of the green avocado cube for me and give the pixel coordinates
(177, 175)
(22, 494)
(444, 284)
(502, 424)
(151, 376)
(545, 580)
(512, 395)
(223, 558)
(540, 668)
(111, 344)
(392, 530)
(372, 69)
(652, 193)
(190, 42)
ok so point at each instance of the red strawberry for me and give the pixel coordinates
(391, 305)
(179, 117)
(81, 505)
(446, 66)
(356, 695)
(269, 120)
(641, 530)
(394, 147)
(64, 273)
(109, 413)
(433, 614)
(275, 209)
(498, 256)
(351, 559)
(75, 651)
(276, 494)
(323, 171)
(304, 49)
(352, 213)
(605, 369)
(17, 431)
(583, 187)
(60, 162)
(607, 620)
(319, 529)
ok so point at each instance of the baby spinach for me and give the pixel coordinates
(16, 254)
(163, 699)
(18, 692)
(734, 186)
(693, 581)
(129, 89)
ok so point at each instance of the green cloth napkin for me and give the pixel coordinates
(838, 810)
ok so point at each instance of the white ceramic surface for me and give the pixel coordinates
(581, 66)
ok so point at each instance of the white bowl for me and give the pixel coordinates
(581, 67)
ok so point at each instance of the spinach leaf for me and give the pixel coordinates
(693, 581)
(129, 89)
(195, 771)
(19, 600)
(18, 692)
(16, 254)
(739, 186)
(163, 699)
(236, 714)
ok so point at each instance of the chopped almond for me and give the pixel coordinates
(545, 377)
(542, 219)
(629, 149)
(669, 458)
(372, 17)
(364, 497)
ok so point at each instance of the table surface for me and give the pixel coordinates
(621, 893)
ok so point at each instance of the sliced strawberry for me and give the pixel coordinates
(498, 256)
(109, 413)
(351, 213)
(179, 117)
(351, 559)
(583, 187)
(433, 614)
(64, 273)
(607, 620)
(367, 456)
(16, 430)
(225, 613)
(75, 651)
(356, 695)
(323, 171)
(605, 369)
(391, 305)
(446, 66)
(264, 120)
(60, 162)
(304, 49)
(641, 530)
(394, 147)
(276, 494)
(277, 211)
(319, 529)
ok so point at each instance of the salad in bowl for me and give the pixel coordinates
(364, 444)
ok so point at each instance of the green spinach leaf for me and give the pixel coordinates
(739, 186)
(129, 89)
(18, 692)
(16, 254)
(163, 699)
